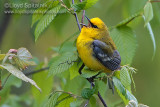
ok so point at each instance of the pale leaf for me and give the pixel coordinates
(19, 74)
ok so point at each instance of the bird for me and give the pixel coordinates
(96, 48)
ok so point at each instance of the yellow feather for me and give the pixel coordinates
(85, 40)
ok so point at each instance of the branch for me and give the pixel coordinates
(86, 104)
(33, 72)
(99, 95)
(75, 14)
(83, 14)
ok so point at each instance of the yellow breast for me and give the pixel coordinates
(84, 47)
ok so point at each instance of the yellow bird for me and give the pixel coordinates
(96, 48)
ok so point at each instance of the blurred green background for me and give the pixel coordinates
(18, 33)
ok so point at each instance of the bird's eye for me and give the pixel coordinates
(94, 26)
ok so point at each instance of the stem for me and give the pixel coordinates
(86, 103)
(80, 69)
(90, 80)
(75, 14)
(33, 72)
(73, 95)
(82, 21)
(83, 14)
(99, 95)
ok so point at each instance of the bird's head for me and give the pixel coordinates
(96, 23)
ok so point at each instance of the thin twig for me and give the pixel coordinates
(86, 103)
(75, 14)
(73, 95)
(83, 14)
(33, 72)
(80, 69)
(63, 5)
(69, 63)
(103, 102)
(99, 95)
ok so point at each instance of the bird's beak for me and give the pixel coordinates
(89, 24)
(88, 19)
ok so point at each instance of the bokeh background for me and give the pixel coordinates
(16, 32)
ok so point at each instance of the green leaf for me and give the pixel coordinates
(46, 20)
(24, 54)
(125, 78)
(74, 69)
(40, 97)
(93, 102)
(87, 73)
(131, 71)
(148, 16)
(22, 58)
(70, 37)
(19, 74)
(2, 56)
(63, 63)
(125, 40)
(123, 92)
(130, 96)
(23, 64)
(118, 85)
(126, 21)
(38, 13)
(52, 100)
(149, 28)
(5, 92)
(76, 103)
(84, 5)
(67, 46)
(64, 100)
(148, 12)
(87, 93)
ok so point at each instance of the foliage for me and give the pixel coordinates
(148, 16)
(84, 5)
(65, 63)
(123, 84)
(22, 57)
(126, 42)
(62, 100)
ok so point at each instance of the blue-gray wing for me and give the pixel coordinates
(110, 61)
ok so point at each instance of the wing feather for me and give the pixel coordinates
(101, 51)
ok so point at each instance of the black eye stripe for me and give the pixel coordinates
(94, 26)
